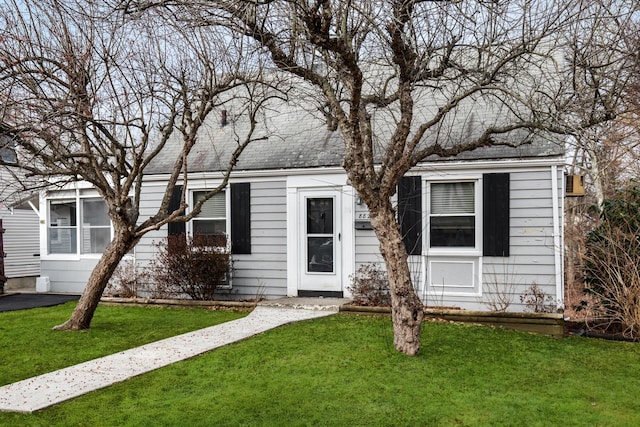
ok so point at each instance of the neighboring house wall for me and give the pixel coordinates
(21, 243)
(20, 222)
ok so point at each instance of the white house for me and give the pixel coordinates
(487, 223)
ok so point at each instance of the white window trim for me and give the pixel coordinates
(426, 208)
(70, 195)
(437, 292)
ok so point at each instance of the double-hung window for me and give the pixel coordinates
(63, 229)
(452, 214)
(212, 219)
(78, 231)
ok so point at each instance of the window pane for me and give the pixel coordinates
(209, 227)
(452, 198)
(212, 208)
(320, 216)
(62, 213)
(320, 254)
(453, 231)
(95, 240)
(94, 213)
(62, 241)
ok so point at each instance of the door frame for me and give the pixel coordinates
(320, 282)
(297, 188)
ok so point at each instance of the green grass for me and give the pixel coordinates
(29, 347)
(343, 371)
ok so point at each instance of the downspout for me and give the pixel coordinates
(557, 238)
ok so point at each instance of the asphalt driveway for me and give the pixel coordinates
(25, 301)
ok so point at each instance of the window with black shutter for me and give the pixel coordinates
(175, 228)
(495, 213)
(410, 213)
(452, 214)
(241, 218)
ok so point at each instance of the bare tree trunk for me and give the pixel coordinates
(407, 311)
(88, 303)
(596, 176)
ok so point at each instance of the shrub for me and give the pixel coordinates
(537, 301)
(370, 286)
(611, 262)
(499, 288)
(126, 281)
(195, 266)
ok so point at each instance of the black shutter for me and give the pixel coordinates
(176, 228)
(410, 213)
(495, 213)
(241, 218)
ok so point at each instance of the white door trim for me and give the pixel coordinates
(325, 255)
(294, 239)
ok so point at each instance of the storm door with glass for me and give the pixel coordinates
(320, 246)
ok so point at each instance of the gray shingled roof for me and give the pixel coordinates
(299, 138)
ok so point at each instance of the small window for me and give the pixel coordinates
(452, 215)
(62, 237)
(96, 226)
(211, 222)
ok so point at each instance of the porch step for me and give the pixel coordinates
(307, 303)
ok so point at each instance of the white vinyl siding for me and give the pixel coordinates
(68, 275)
(264, 272)
(21, 243)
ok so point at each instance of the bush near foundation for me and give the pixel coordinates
(370, 286)
(196, 266)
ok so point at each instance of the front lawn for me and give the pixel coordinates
(29, 347)
(342, 370)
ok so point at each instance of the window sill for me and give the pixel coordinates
(453, 251)
(69, 257)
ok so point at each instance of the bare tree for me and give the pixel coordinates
(603, 58)
(88, 94)
(407, 80)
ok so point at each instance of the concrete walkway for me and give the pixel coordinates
(49, 389)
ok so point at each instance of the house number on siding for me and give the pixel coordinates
(363, 215)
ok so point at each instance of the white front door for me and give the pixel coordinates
(320, 246)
